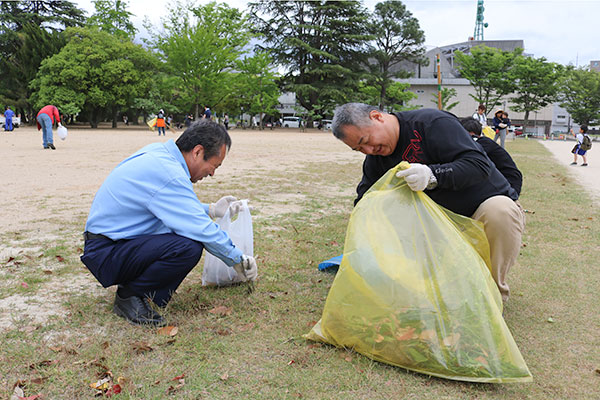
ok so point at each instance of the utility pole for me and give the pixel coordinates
(439, 76)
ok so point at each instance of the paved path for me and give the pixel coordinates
(588, 177)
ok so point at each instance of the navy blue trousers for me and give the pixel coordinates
(150, 266)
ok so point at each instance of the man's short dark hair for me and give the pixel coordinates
(471, 125)
(353, 114)
(207, 133)
(584, 128)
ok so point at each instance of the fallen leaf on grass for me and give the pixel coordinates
(61, 349)
(181, 382)
(24, 284)
(18, 394)
(224, 332)
(47, 272)
(10, 259)
(141, 347)
(168, 330)
(224, 376)
(550, 319)
(101, 384)
(60, 258)
(221, 310)
(45, 363)
(247, 327)
(114, 389)
(598, 371)
(348, 358)
(574, 219)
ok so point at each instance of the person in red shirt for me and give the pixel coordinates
(45, 119)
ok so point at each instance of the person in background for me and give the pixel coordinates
(160, 122)
(207, 113)
(577, 150)
(500, 157)
(500, 126)
(147, 229)
(46, 118)
(445, 163)
(480, 115)
(226, 121)
(8, 116)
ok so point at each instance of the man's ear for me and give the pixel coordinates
(198, 151)
(376, 115)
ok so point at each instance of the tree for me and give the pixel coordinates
(490, 72)
(30, 31)
(94, 73)
(200, 46)
(257, 89)
(397, 95)
(447, 95)
(537, 84)
(398, 38)
(580, 95)
(320, 44)
(111, 16)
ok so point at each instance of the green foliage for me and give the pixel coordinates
(321, 45)
(30, 31)
(537, 84)
(447, 95)
(200, 46)
(490, 71)
(94, 73)
(397, 38)
(397, 95)
(257, 90)
(580, 95)
(111, 16)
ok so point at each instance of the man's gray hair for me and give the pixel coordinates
(353, 114)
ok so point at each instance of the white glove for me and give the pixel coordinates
(247, 269)
(218, 209)
(237, 206)
(59, 125)
(418, 177)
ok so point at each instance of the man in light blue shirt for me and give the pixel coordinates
(146, 229)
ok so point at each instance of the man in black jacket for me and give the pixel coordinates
(500, 157)
(445, 162)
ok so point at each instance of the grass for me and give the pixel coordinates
(258, 351)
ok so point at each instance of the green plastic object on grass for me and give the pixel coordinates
(414, 290)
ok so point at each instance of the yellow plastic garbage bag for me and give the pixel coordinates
(489, 132)
(413, 290)
(151, 123)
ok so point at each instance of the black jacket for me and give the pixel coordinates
(466, 176)
(503, 162)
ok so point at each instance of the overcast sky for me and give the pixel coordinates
(563, 31)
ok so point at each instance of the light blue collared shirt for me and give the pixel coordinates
(150, 193)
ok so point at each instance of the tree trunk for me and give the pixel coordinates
(525, 121)
(115, 113)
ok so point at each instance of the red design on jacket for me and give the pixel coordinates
(413, 151)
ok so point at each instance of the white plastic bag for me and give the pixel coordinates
(216, 272)
(61, 132)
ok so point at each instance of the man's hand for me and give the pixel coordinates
(247, 269)
(418, 177)
(218, 209)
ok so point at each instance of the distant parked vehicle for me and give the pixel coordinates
(16, 121)
(516, 129)
(326, 123)
(291, 122)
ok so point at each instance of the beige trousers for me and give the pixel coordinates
(504, 221)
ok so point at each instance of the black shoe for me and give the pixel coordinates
(46, 147)
(573, 163)
(584, 165)
(135, 310)
(51, 146)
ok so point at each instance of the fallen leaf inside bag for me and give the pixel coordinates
(414, 290)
